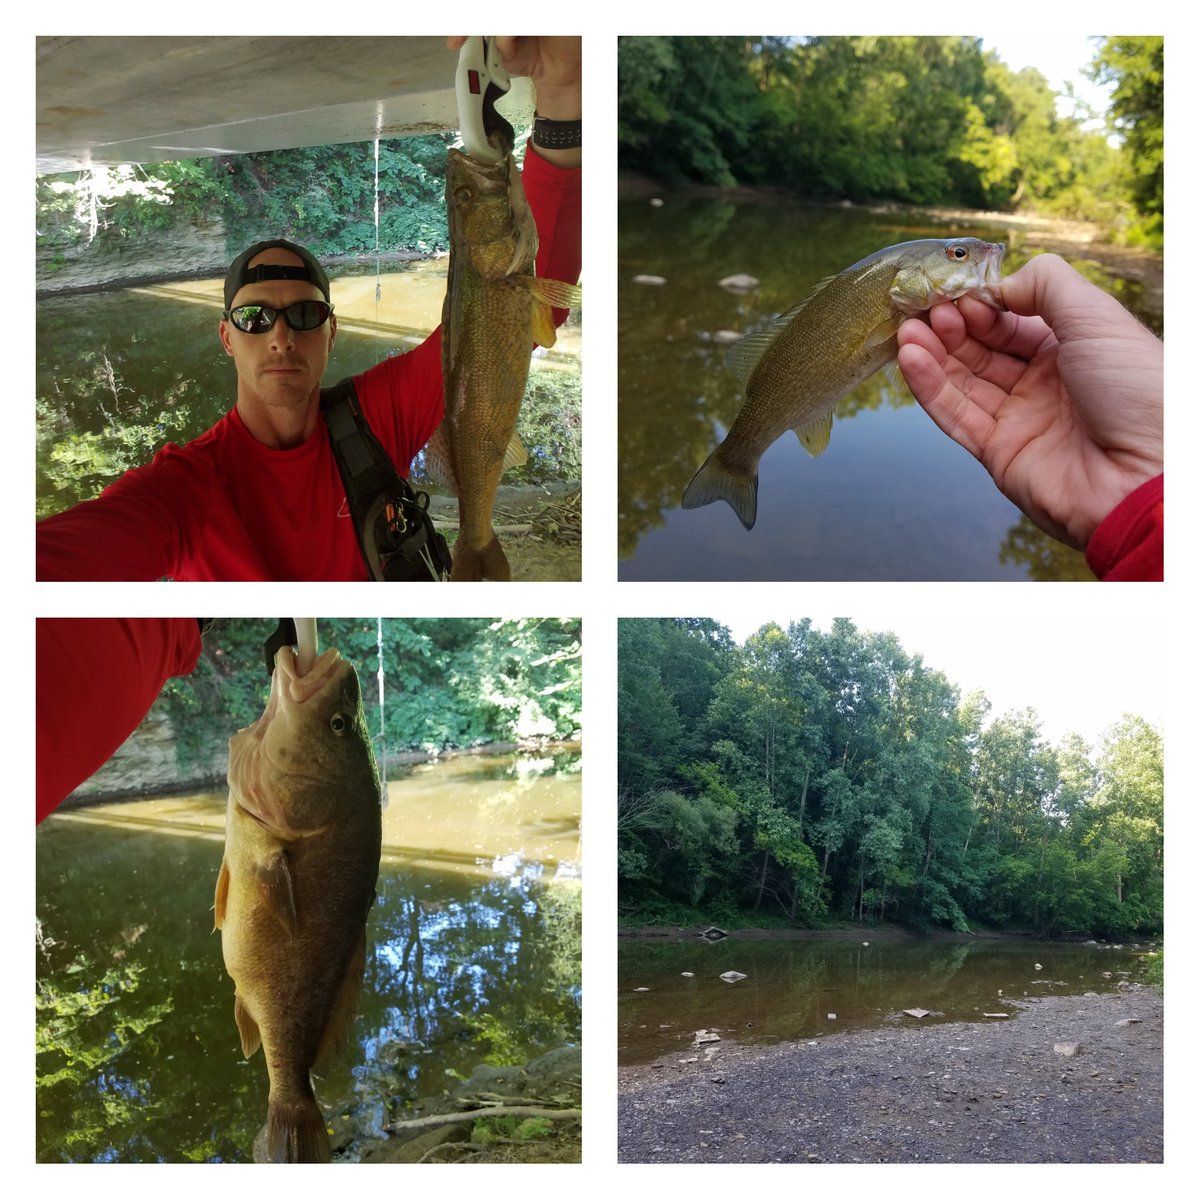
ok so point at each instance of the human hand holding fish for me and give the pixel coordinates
(1060, 398)
(553, 65)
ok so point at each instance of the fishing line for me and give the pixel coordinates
(378, 257)
(382, 728)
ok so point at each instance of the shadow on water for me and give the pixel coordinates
(473, 956)
(891, 498)
(792, 985)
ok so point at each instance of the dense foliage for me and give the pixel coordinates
(924, 120)
(448, 682)
(832, 776)
(322, 197)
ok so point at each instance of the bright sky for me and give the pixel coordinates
(1078, 670)
(1059, 57)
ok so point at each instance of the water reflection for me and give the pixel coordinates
(892, 497)
(792, 985)
(138, 1055)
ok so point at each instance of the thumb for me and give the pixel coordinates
(1049, 287)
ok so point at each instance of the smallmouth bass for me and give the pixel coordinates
(495, 310)
(302, 844)
(798, 368)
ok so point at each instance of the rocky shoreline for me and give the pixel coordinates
(1067, 1079)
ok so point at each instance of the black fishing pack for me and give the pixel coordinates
(395, 532)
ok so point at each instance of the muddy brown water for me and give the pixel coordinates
(473, 957)
(799, 988)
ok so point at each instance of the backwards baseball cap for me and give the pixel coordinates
(240, 274)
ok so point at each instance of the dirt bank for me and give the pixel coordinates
(953, 1093)
(539, 528)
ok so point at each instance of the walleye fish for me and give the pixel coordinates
(495, 309)
(302, 842)
(797, 369)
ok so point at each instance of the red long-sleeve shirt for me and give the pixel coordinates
(1128, 544)
(96, 679)
(226, 507)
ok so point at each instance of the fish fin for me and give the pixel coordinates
(814, 436)
(247, 1026)
(715, 481)
(555, 292)
(547, 294)
(489, 562)
(881, 334)
(222, 896)
(337, 1031)
(545, 332)
(274, 882)
(515, 455)
(439, 465)
(294, 1133)
(745, 355)
(896, 380)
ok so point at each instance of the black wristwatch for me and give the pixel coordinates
(557, 135)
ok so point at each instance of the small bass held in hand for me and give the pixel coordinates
(798, 368)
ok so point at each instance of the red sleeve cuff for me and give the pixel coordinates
(1128, 543)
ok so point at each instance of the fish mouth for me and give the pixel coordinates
(288, 689)
(989, 292)
(251, 756)
(295, 688)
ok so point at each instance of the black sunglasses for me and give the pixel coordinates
(259, 318)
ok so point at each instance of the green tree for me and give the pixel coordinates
(1135, 66)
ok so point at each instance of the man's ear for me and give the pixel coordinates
(332, 328)
(223, 333)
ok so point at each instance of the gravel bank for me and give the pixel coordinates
(950, 1093)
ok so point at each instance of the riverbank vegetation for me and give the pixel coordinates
(808, 777)
(449, 683)
(919, 120)
(322, 197)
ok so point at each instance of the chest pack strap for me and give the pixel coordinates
(395, 533)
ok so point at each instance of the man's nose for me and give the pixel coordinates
(283, 336)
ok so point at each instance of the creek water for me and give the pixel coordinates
(890, 498)
(671, 988)
(121, 373)
(473, 956)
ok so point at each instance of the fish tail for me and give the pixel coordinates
(487, 562)
(718, 481)
(294, 1133)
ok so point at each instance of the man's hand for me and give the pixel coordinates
(1059, 398)
(554, 64)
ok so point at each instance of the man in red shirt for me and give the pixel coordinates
(259, 495)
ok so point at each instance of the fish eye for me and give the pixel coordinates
(958, 252)
(339, 723)
(463, 195)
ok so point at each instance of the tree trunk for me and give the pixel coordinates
(762, 880)
(803, 802)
